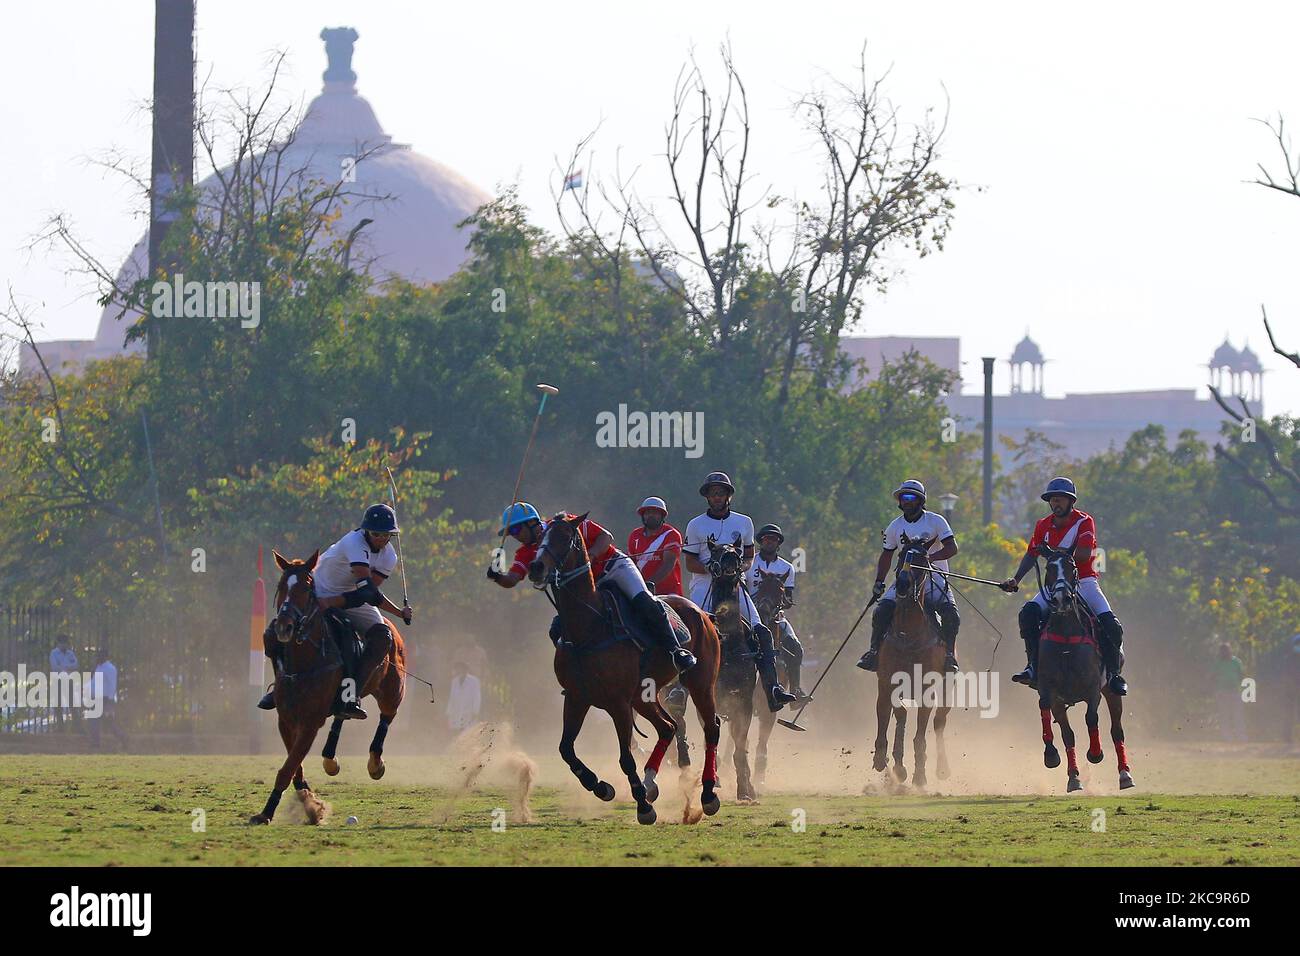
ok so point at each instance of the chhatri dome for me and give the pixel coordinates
(413, 234)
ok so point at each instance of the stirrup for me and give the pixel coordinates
(268, 699)
(350, 710)
(868, 660)
(1027, 677)
(778, 697)
(1118, 685)
(683, 660)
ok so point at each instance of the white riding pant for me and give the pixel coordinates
(936, 592)
(700, 596)
(364, 618)
(625, 575)
(1089, 589)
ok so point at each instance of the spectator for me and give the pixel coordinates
(1228, 673)
(63, 660)
(464, 700)
(109, 703)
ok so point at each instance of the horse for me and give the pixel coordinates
(308, 679)
(1070, 671)
(770, 602)
(596, 669)
(911, 642)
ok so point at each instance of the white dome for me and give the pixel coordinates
(413, 234)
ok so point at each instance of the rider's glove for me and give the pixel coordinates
(406, 615)
(878, 589)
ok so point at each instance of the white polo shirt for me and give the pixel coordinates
(778, 567)
(333, 572)
(735, 528)
(927, 525)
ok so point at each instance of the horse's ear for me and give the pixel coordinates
(582, 517)
(904, 539)
(280, 560)
(311, 562)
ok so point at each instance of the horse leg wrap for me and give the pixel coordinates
(587, 777)
(657, 755)
(272, 802)
(1094, 741)
(1046, 714)
(1121, 755)
(377, 745)
(710, 763)
(332, 741)
(301, 784)
(1071, 761)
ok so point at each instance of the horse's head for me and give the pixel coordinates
(562, 547)
(293, 595)
(769, 596)
(726, 562)
(1062, 576)
(913, 554)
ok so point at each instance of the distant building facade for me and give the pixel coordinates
(1084, 422)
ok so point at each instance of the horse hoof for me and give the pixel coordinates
(260, 820)
(1051, 757)
(1073, 785)
(648, 816)
(375, 768)
(603, 790)
(651, 791)
(942, 772)
(1126, 780)
(331, 766)
(711, 806)
(918, 779)
(879, 763)
(900, 773)
(1097, 757)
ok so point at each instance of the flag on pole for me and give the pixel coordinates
(256, 625)
(573, 180)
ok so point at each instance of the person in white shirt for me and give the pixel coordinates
(768, 560)
(916, 523)
(720, 524)
(464, 699)
(348, 576)
(106, 671)
(63, 660)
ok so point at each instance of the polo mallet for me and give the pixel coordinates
(794, 724)
(952, 574)
(547, 391)
(392, 487)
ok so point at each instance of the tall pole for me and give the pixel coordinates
(173, 129)
(988, 441)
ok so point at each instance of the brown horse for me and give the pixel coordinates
(770, 602)
(597, 670)
(308, 679)
(912, 648)
(1070, 671)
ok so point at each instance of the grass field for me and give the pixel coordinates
(136, 810)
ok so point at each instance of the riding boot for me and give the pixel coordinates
(274, 654)
(794, 661)
(1112, 651)
(949, 622)
(346, 705)
(1031, 627)
(765, 661)
(654, 615)
(880, 622)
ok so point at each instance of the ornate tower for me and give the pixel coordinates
(1027, 353)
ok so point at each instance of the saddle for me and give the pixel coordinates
(626, 624)
(339, 627)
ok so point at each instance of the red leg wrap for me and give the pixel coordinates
(1071, 762)
(1121, 755)
(657, 755)
(711, 763)
(1047, 725)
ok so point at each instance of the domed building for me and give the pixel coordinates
(413, 233)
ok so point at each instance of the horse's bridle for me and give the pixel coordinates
(1065, 582)
(302, 620)
(557, 578)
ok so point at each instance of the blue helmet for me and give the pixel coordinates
(380, 519)
(521, 512)
(1060, 486)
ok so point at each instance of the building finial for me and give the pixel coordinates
(338, 49)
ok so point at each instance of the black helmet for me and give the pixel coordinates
(380, 519)
(770, 529)
(717, 478)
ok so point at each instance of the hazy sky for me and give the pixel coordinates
(1114, 142)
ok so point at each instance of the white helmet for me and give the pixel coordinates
(653, 502)
(911, 485)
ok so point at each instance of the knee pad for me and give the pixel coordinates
(1031, 620)
(1111, 627)
(764, 638)
(949, 619)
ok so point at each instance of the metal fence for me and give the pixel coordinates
(163, 686)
